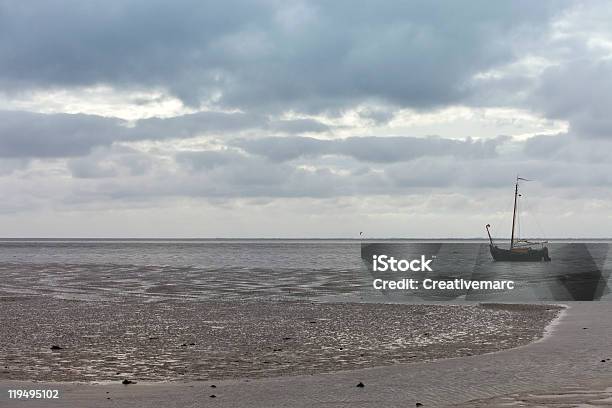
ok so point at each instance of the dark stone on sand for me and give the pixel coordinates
(425, 334)
(603, 361)
(360, 385)
(286, 338)
(213, 386)
(126, 382)
(153, 338)
(56, 347)
(213, 396)
(192, 344)
(184, 345)
(418, 404)
(584, 328)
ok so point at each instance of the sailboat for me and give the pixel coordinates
(520, 250)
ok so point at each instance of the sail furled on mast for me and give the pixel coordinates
(520, 252)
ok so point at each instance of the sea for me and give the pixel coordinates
(122, 270)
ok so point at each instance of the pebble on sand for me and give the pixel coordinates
(213, 386)
(213, 396)
(56, 347)
(418, 404)
(126, 382)
(360, 385)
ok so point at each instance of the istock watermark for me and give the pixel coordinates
(385, 263)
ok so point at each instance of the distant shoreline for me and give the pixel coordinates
(471, 240)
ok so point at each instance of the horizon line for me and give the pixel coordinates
(294, 238)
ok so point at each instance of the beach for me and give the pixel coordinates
(184, 324)
(52, 339)
(593, 393)
(568, 357)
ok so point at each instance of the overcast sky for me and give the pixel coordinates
(304, 118)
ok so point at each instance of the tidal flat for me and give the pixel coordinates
(49, 339)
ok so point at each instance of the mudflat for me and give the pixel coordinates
(49, 339)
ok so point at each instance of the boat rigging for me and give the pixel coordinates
(520, 250)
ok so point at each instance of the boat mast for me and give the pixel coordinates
(514, 213)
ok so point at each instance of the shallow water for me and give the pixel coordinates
(318, 270)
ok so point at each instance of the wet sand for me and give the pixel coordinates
(194, 341)
(594, 393)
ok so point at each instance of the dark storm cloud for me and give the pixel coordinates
(309, 56)
(370, 149)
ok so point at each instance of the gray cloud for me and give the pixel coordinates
(370, 149)
(298, 126)
(568, 148)
(26, 134)
(310, 56)
(264, 60)
(230, 174)
(579, 91)
(206, 160)
(116, 161)
(8, 166)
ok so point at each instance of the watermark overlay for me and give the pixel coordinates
(455, 271)
(384, 263)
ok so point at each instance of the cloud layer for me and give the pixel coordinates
(254, 106)
(252, 54)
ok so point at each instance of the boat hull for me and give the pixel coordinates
(519, 254)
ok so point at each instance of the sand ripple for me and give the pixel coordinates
(173, 340)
